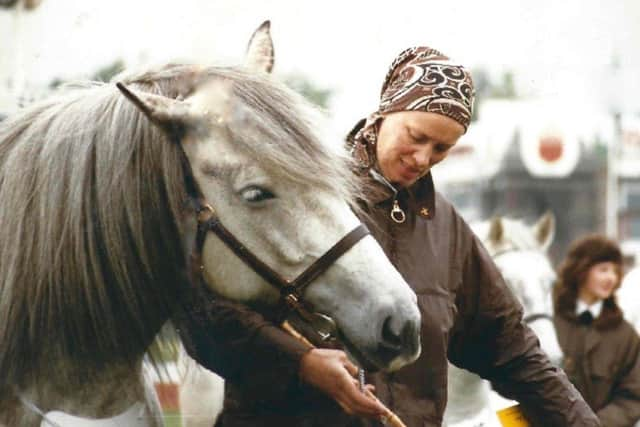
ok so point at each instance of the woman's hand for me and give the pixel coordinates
(332, 372)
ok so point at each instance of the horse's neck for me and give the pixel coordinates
(103, 394)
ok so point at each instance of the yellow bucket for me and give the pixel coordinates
(512, 417)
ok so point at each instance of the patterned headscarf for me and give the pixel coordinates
(419, 79)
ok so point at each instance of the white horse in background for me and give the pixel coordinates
(628, 297)
(520, 252)
(94, 226)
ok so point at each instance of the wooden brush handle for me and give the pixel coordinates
(388, 419)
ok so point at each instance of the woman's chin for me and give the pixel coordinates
(405, 180)
(604, 294)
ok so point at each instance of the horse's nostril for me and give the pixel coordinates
(399, 336)
(390, 337)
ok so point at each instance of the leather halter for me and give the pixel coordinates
(290, 290)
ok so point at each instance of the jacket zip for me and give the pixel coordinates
(396, 214)
(393, 257)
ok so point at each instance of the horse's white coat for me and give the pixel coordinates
(519, 252)
(132, 417)
(530, 276)
(628, 297)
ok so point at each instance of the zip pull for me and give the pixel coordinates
(397, 214)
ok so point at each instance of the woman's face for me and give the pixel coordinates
(601, 280)
(411, 142)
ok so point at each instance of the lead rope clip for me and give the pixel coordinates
(397, 214)
(361, 379)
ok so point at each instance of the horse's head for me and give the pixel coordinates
(287, 197)
(520, 252)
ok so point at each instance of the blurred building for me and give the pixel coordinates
(16, 19)
(628, 168)
(522, 158)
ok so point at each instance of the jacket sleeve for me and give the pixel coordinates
(238, 344)
(495, 343)
(623, 410)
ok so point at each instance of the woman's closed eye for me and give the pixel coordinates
(442, 148)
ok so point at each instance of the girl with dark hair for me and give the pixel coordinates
(601, 350)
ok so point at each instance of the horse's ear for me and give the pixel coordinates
(545, 230)
(260, 52)
(496, 230)
(159, 109)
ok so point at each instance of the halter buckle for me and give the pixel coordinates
(324, 326)
(205, 213)
(292, 300)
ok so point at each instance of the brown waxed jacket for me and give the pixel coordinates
(602, 359)
(467, 311)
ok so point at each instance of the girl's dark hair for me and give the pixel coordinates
(572, 272)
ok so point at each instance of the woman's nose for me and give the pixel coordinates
(422, 156)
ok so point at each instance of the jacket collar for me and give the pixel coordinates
(609, 317)
(418, 199)
(595, 309)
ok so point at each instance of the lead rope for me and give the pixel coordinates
(361, 384)
(361, 381)
(31, 406)
(389, 418)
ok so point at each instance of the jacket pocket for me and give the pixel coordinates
(602, 377)
(603, 371)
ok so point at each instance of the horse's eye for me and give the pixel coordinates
(255, 194)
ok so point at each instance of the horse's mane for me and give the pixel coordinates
(92, 197)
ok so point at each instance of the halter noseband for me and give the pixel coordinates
(290, 290)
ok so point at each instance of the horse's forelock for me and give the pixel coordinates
(280, 129)
(274, 124)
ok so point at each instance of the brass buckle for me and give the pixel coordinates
(205, 213)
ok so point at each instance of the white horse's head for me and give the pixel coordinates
(287, 196)
(520, 252)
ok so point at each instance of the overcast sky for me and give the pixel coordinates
(556, 48)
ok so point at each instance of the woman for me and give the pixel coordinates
(468, 314)
(602, 350)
